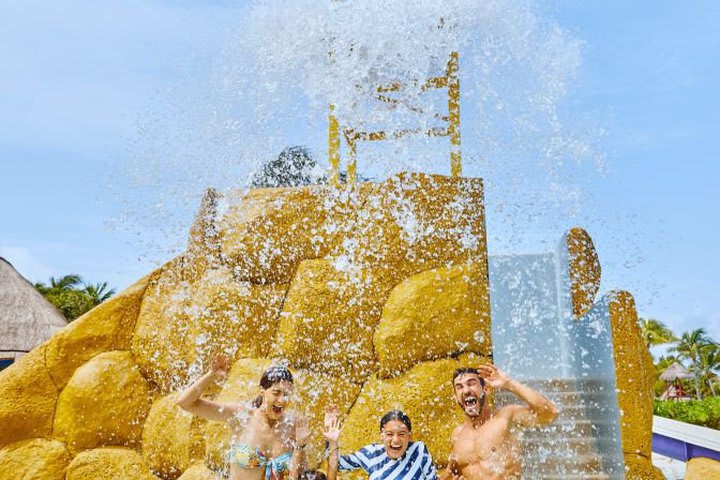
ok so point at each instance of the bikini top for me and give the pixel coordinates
(245, 456)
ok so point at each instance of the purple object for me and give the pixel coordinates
(679, 449)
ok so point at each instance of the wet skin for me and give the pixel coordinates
(489, 451)
(268, 428)
(485, 446)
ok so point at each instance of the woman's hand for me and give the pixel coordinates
(219, 366)
(302, 432)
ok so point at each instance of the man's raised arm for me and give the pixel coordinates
(539, 411)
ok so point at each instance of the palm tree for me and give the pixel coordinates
(689, 347)
(98, 293)
(73, 296)
(61, 284)
(709, 362)
(655, 332)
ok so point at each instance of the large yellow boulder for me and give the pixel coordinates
(109, 326)
(199, 472)
(267, 232)
(172, 439)
(327, 322)
(701, 468)
(414, 222)
(424, 393)
(164, 329)
(238, 318)
(35, 459)
(104, 403)
(181, 326)
(27, 398)
(434, 314)
(634, 373)
(110, 463)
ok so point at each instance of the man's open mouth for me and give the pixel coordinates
(277, 408)
(470, 402)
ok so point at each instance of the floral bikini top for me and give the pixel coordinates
(245, 456)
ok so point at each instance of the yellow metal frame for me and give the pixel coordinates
(352, 137)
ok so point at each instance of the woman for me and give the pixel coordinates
(268, 442)
(395, 457)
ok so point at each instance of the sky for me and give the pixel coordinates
(78, 81)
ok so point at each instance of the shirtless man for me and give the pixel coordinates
(485, 447)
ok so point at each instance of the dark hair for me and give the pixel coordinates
(464, 370)
(395, 415)
(272, 375)
(312, 475)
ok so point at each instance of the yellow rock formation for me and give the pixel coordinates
(35, 459)
(238, 318)
(27, 399)
(348, 286)
(110, 463)
(108, 327)
(434, 314)
(702, 469)
(270, 231)
(162, 329)
(584, 270)
(634, 372)
(172, 439)
(327, 322)
(104, 403)
(199, 472)
(415, 222)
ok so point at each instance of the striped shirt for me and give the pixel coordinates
(415, 464)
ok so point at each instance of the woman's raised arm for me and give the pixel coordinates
(191, 399)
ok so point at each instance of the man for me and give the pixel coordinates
(485, 447)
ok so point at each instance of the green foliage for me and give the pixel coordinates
(689, 347)
(705, 412)
(655, 332)
(72, 296)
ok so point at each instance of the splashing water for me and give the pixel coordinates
(289, 60)
(286, 62)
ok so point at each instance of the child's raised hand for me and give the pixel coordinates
(332, 413)
(333, 429)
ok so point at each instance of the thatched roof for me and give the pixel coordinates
(26, 318)
(674, 372)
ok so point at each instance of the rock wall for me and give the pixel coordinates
(369, 293)
(372, 294)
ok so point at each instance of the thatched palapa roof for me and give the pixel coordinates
(26, 318)
(675, 372)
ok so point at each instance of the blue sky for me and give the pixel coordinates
(76, 78)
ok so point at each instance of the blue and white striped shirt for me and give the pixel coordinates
(415, 464)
